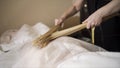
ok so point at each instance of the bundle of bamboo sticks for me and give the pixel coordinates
(53, 33)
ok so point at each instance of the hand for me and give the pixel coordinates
(59, 21)
(93, 20)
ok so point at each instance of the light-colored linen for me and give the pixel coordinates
(63, 52)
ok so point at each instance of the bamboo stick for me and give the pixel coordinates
(68, 31)
(52, 34)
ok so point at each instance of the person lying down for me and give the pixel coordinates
(63, 52)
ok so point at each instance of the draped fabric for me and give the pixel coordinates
(63, 52)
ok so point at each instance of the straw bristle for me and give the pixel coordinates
(42, 42)
(45, 39)
(52, 34)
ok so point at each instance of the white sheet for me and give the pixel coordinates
(64, 52)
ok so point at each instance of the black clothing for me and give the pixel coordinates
(107, 35)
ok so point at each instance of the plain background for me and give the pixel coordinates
(15, 13)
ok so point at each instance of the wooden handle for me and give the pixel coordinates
(52, 30)
(76, 28)
(68, 31)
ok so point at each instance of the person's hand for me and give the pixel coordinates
(93, 20)
(59, 21)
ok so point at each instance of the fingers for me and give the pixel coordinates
(59, 21)
(62, 25)
(89, 24)
(56, 21)
(92, 22)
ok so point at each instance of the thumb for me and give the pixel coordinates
(56, 21)
(88, 25)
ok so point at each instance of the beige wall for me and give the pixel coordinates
(15, 13)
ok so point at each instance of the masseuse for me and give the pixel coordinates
(107, 33)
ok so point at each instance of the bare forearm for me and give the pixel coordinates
(72, 10)
(109, 9)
